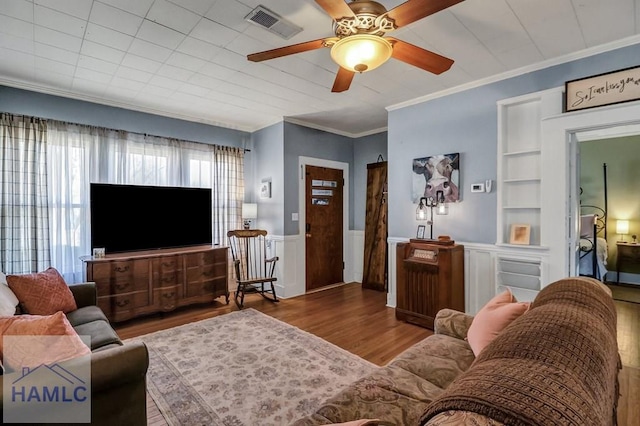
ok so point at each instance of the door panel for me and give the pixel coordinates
(323, 226)
(375, 231)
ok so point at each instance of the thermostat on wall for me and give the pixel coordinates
(477, 187)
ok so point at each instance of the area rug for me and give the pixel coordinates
(244, 368)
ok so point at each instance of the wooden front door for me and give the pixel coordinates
(375, 231)
(323, 226)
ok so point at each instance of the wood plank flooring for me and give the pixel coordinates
(357, 320)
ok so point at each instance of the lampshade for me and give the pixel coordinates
(622, 227)
(421, 211)
(361, 52)
(249, 210)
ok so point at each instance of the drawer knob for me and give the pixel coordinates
(121, 268)
(122, 303)
(121, 287)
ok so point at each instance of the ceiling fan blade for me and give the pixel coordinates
(419, 57)
(343, 80)
(287, 50)
(413, 10)
(337, 9)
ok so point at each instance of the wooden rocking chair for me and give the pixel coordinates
(253, 269)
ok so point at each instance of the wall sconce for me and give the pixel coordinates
(249, 212)
(622, 228)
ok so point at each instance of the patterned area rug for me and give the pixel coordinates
(244, 368)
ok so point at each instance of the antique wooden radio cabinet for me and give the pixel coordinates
(430, 277)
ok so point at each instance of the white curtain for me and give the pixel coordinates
(78, 155)
(24, 234)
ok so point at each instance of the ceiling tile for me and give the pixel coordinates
(149, 50)
(157, 91)
(21, 68)
(55, 66)
(157, 34)
(78, 8)
(115, 19)
(193, 89)
(166, 82)
(216, 71)
(214, 33)
(57, 39)
(55, 54)
(181, 60)
(198, 48)
(521, 56)
(133, 74)
(600, 21)
(16, 27)
(99, 51)
(172, 16)
(230, 13)
(96, 64)
(18, 44)
(59, 21)
(19, 9)
(140, 63)
(91, 75)
(120, 94)
(108, 37)
(179, 74)
(137, 7)
(198, 6)
(204, 81)
(125, 83)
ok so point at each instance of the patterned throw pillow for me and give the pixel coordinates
(36, 346)
(43, 293)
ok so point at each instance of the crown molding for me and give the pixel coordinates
(303, 123)
(585, 53)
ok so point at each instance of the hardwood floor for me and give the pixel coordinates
(357, 320)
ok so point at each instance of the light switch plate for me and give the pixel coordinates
(294, 217)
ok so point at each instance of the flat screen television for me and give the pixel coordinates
(134, 217)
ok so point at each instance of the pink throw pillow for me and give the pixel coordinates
(43, 293)
(46, 340)
(494, 317)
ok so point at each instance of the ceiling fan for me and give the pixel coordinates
(360, 44)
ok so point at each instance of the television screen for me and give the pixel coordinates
(133, 217)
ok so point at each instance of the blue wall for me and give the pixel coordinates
(466, 122)
(268, 147)
(307, 142)
(35, 104)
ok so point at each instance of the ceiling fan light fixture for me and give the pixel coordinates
(361, 52)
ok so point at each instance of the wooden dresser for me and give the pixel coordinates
(140, 283)
(430, 277)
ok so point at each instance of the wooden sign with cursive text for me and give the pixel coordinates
(603, 89)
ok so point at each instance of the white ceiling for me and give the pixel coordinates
(187, 58)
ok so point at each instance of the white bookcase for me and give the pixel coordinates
(519, 162)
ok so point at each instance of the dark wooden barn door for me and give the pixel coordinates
(375, 234)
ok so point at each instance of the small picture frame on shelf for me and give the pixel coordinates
(98, 253)
(420, 233)
(520, 234)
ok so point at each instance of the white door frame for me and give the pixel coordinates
(559, 173)
(320, 162)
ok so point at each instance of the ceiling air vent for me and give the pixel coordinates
(273, 22)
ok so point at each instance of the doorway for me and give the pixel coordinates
(344, 258)
(323, 227)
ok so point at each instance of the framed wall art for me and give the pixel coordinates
(436, 173)
(520, 234)
(265, 188)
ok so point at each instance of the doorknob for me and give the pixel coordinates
(308, 230)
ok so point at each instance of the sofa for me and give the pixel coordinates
(118, 370)
(555, 364)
